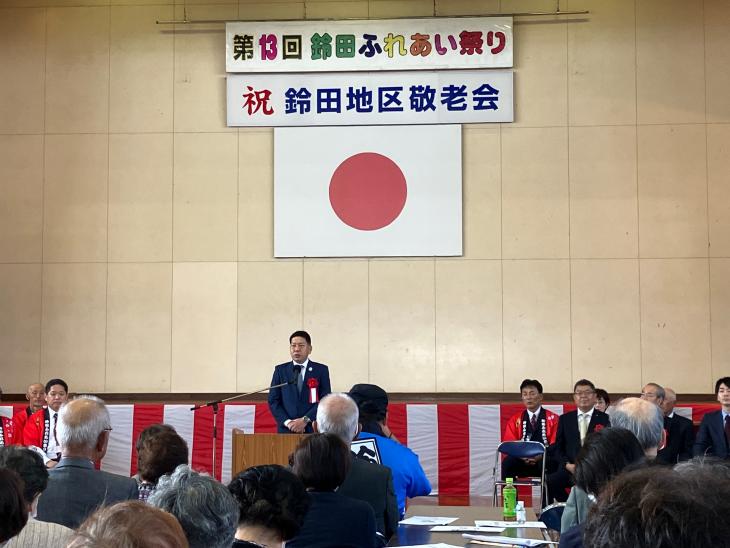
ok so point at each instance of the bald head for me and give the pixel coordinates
(36, 396)
(83, 426)
(670, 400)
(644, 419)
(337, 414)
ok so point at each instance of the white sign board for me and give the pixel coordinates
(395, 44)
(415, 97)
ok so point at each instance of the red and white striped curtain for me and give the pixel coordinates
(456, 442)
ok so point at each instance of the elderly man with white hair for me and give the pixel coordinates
(680, 435)
(367, 481)
(645, 420)
(75, 488)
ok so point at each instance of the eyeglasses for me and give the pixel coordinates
(109, 429)
(584, 392)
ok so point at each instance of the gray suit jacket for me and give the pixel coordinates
(75, 490)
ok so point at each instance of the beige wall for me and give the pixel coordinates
(136, 229)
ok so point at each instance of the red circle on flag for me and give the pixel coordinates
(368, 191)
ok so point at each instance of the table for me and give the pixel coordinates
(420, 534)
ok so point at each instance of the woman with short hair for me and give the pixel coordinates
(131, 524)
(322, 462)
(272, 503)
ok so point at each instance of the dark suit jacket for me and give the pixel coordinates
(75, 490)
(287, 403)
(711, 436)
(679, 440)
(373, 483)
(335, 521)
(567, 440)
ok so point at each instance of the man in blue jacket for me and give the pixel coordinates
(409, 479)
(294, 405)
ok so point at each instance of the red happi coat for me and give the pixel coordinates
(7, 432)
(547, 424)
(19, 420)
(37, 429)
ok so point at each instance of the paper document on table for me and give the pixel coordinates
(465, 529)
(524, 524)
(507, 541)
(439, 545)
(427, 520)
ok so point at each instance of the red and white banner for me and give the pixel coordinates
(367, 191)
(456, 442)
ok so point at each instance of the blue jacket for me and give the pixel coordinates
(286, 403)
(409, 479)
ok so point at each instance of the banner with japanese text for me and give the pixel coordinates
(370, 45)
(403, 98)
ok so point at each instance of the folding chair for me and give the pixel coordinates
(551, 515)
(520, 450)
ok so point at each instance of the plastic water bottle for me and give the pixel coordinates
(521, 514)
(509, 498)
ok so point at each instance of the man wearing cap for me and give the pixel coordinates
(36, 397)
(409, 479)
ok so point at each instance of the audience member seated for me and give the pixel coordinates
(603, 456)
(643, 419)
(713, 437)
(40, 432)
(653, 393)
(322, 462)
(29, 466)
(603, 400)
(75, 488)
(206, 510)
(659, 507)
(8, 434)
(131, 524)
(680, 436)
(409, 479)
(36, 397)
(272, 503)
(573, 427)
(372, 483)
(159, 451)
(13, 510)
(535, 423)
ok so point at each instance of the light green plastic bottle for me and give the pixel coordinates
(509, 496)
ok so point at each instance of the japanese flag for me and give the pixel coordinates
(367, 191)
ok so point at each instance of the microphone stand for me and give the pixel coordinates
(214, 405)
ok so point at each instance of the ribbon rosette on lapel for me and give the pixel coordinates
(313, 384)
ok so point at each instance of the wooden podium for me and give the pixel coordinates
(256, 449)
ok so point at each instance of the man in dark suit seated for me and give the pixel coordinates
(713, 437)
(572, 430)
(294, 406)
(75, 488)
(680, 436)
(338, 414)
